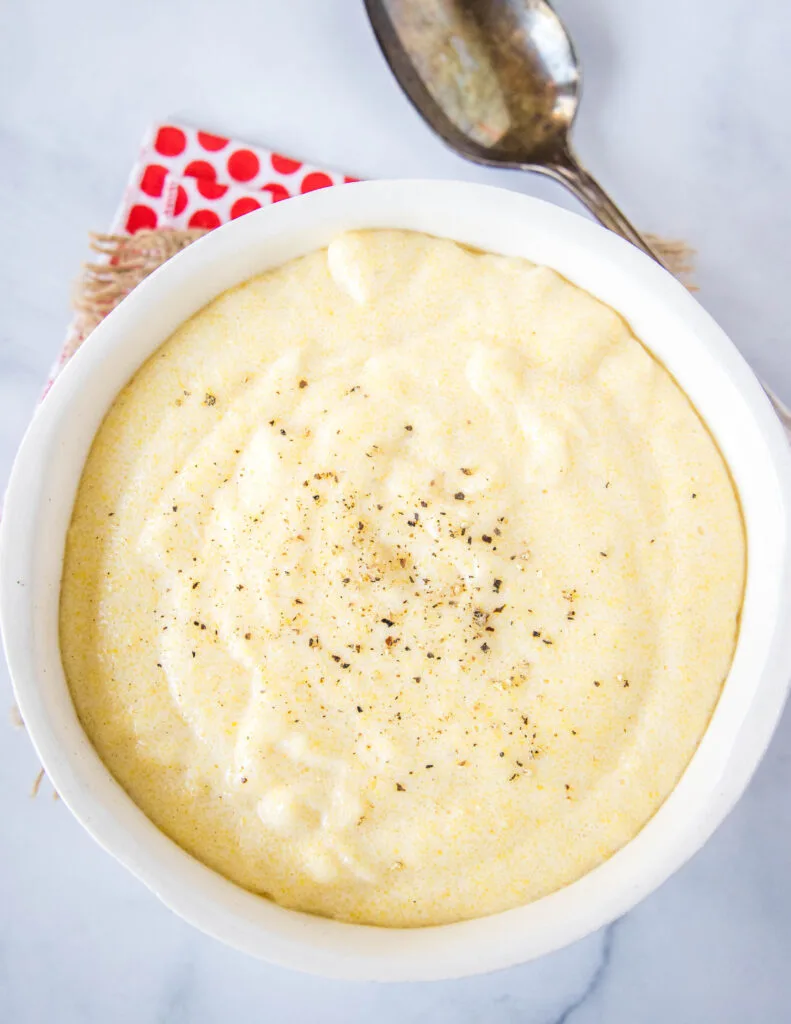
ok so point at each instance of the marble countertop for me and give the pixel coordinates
(676, 123)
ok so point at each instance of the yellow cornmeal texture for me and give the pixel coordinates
(401, 583)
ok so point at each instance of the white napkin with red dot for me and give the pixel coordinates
(185, 178)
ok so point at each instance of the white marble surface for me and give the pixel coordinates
(680, 122)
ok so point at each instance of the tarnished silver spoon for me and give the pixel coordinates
(499, 82)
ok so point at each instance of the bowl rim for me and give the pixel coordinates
(708, 367)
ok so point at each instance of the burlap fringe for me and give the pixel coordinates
(37, 783)
(128, 259)
(677, 256)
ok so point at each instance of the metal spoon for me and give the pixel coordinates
(499, 82)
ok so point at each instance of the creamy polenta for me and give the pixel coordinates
(401, 583)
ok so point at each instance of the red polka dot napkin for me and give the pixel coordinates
(186, 178)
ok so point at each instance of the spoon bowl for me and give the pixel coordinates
(499, 82)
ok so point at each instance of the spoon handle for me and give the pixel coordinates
(571, 174)
(584, 186)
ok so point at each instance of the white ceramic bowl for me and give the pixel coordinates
(673, 326)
